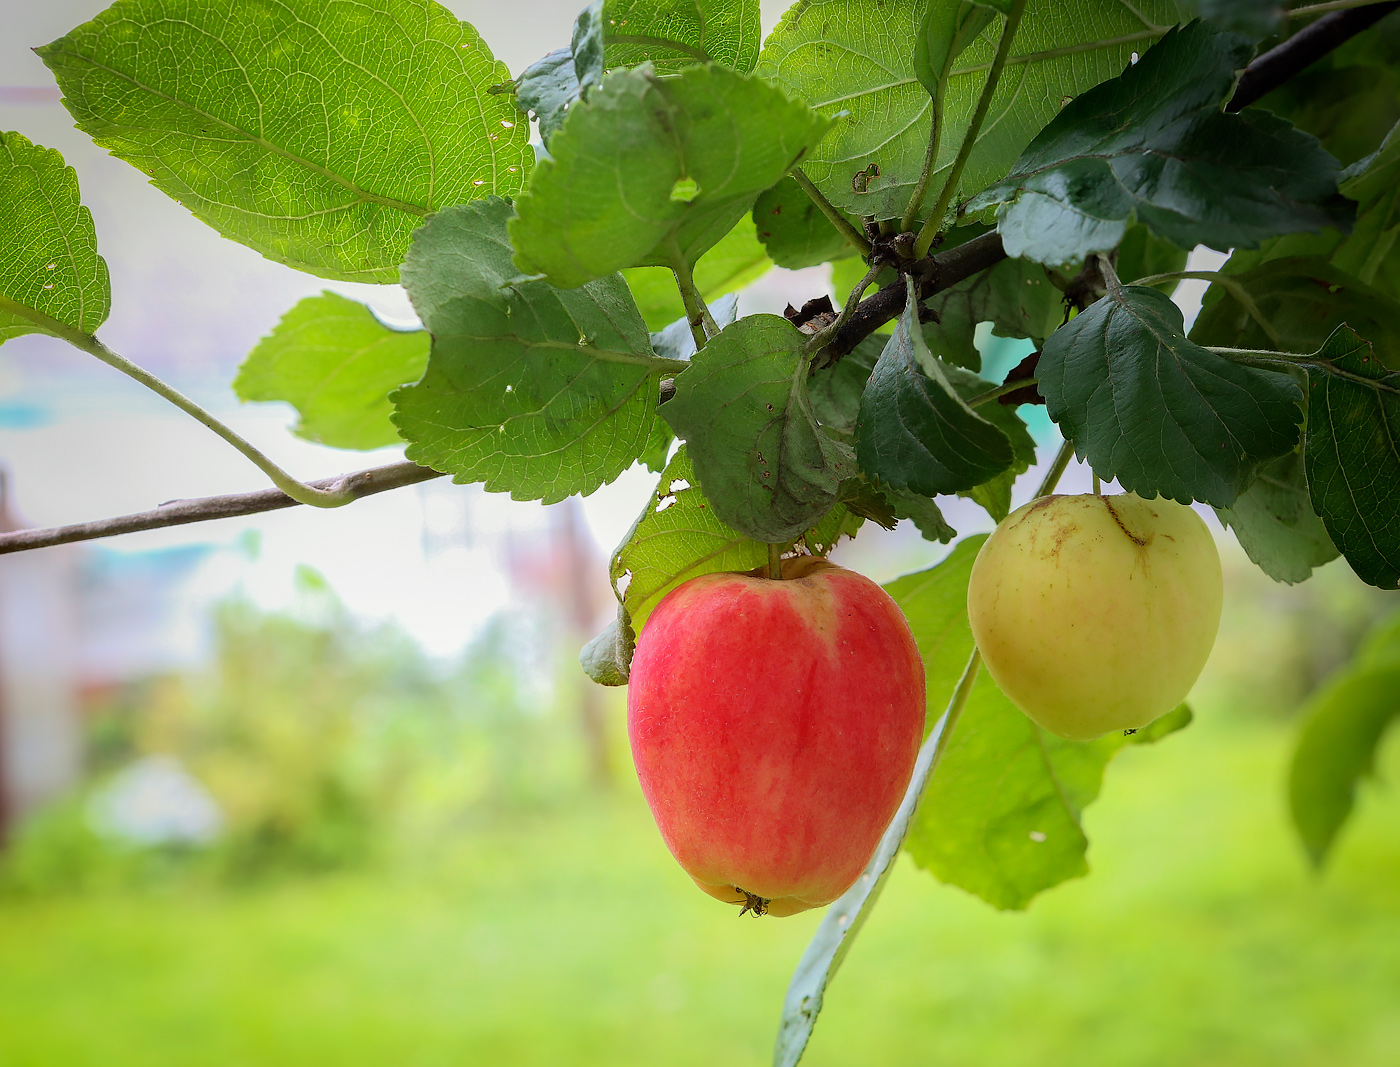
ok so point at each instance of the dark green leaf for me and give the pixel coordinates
(333, 361)
(1353, 455)
(1349, 108)
(794, 230)
(317, 134)
(1153, 144)
(607, 659)
(1141, 254)
(730, 265)
(914, 432)
(676, 538)
(646, 162)
(1370, 251)
(588, 47)
(995, 494)
(1342, 727)
(48, 247)
(1162, 415)
(1275, 524)
(548, 87)
(767, 468)
(852, 60)
(1304, 299)
(540, 391)
(675, 34)
(923, 512)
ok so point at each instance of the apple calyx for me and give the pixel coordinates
(753, 903)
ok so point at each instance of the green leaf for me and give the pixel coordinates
(949, 26)
(605, 199)
(1016, 296)
(736, 261)
(1154, 144)
(548, 87)
(536, 390)
(768, 469)
(317, 134)
(49, 264)
(995, 494)
(1349, 107)
(1173, 721)
(1304, 299)
(675, 34)
(1141, 253)
(607, 659)
(333, 361)
(794, 230)
(854, 57)
(1353, 455)
(923, 512)
(914, 432)
(1162, 415)
(1275, 524)
(1342, 727)
(1370, 250)
(677, 537)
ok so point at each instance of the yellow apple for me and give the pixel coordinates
(1096, 613)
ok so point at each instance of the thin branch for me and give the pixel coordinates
(1000, 391)
(352, 486)
(301, 492)
(1304, 48)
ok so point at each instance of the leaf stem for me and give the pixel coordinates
(822, 338)
(832, 213)
(1001, 390)
(1111, 281)
(297, 490)
(984, 103)
(1057, 468)
(916, 201)
(775, 562)
(1334, 5)
(702, 323)
(1230, 284)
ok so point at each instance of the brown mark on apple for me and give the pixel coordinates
(1134, 538)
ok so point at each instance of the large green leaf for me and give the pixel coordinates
(853, 60)
(319, 134)
(1275, 524)
(1342, 727)
(540, 391)
(1256, 18)
(677, 537)
(1303, 299)
(1353, 454)
(767, 467)
(914, 431)
(674, 34)
(1154, 144)
(333, 361)
(1001, 815)
(48, 247)
(646, 162)
(1162, 415)
(730, 265)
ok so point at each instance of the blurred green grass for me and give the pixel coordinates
(569, 937)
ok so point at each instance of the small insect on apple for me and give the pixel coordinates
(774, 725)
(1096, 613)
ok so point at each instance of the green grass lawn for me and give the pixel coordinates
(1199, 939)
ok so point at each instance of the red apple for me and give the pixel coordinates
(774, 726)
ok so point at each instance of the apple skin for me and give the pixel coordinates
(774, 725)
(1096, 613)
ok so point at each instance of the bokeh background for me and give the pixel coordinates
(329, 787)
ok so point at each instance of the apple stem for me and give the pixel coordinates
(1057, 468)
(1097, 488)
(775, 562)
